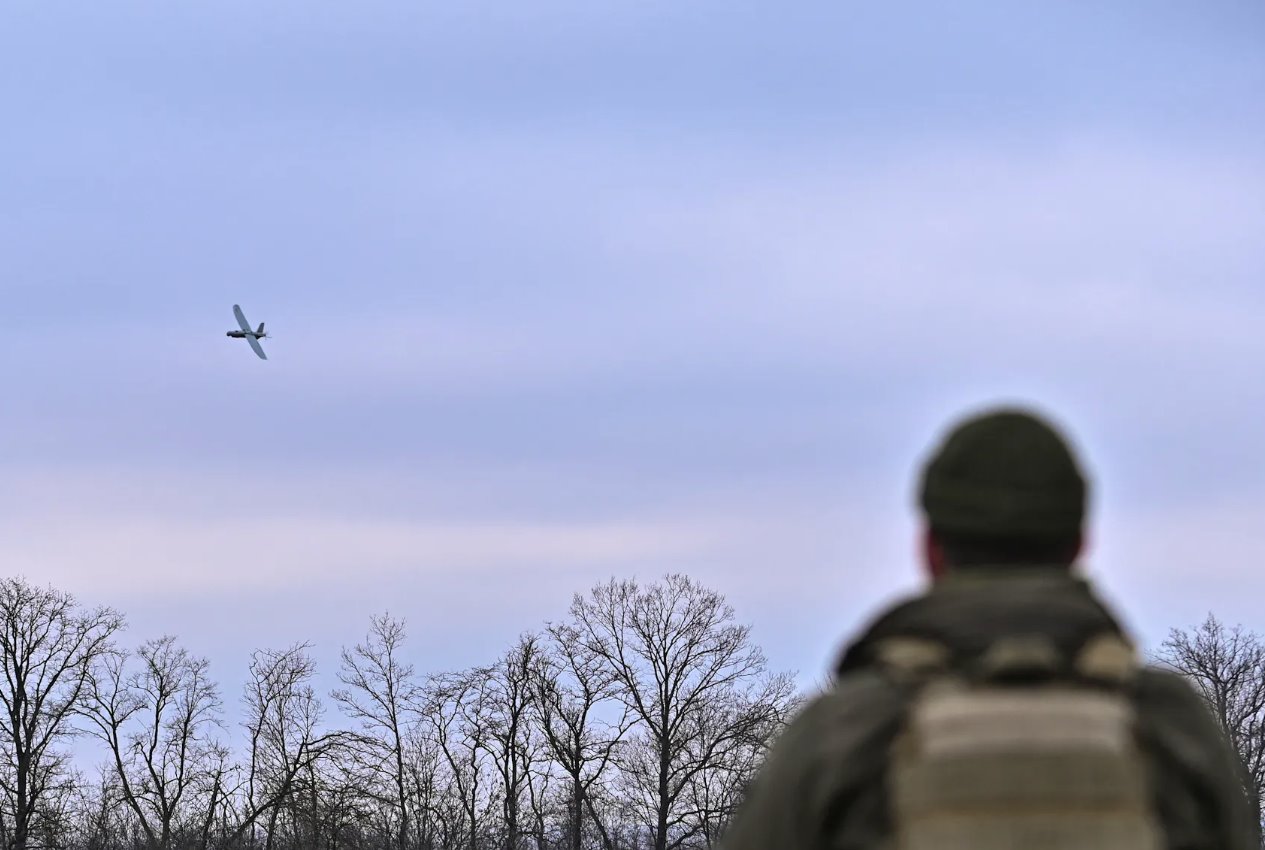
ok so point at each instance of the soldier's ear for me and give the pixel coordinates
(933, 560)
(1082, 545)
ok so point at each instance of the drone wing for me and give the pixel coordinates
(254, 343)
(241, 320)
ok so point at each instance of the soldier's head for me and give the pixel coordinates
(1003, 489)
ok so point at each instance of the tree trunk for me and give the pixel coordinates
(577, 813)
(21, 815)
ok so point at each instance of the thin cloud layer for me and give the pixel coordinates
(561, 294)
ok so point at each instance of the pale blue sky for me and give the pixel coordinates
(567, 290)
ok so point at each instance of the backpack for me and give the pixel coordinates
(1022, 750)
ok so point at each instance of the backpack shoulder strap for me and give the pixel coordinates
(911, 659)
(1107, 659)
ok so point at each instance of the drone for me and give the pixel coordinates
(250, 335)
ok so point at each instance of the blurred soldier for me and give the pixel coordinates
(1004, 707)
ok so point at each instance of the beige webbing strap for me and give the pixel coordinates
(909, 657)
(1020, 655)
(1107, 658)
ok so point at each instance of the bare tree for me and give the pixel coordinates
(157, 723)
(635, 724)
(210, 793)
(382, 692)
(337, 805)
(573, 684)
(690, 676)
(542, 804)
(99, 822)
(509, 731)
(47, 646)
(456, 712)
(741, 730)
(431, 813)
(110, 706)
(1227, 666)
(282, 713)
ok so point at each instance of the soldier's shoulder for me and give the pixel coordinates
(1198, 775)
(856, 708)
(856, 690)
(839, 741)
(832, 751)
(1177, 718)
(1166, 690)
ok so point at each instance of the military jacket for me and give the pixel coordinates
(822, 784)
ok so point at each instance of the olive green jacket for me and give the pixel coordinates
(822, 785)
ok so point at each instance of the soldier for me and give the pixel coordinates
(1004, 707)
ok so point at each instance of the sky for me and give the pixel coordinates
(567, 291)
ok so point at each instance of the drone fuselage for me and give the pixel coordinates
(248, 333)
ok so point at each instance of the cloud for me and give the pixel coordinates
(761, 315)
(1169, 567)
(1109, 245)
(819, 65)
(168, 535)
(1104, 232)
(806, 567)
(231, 565)
(172, 556)
(751, 322)
(565, 297)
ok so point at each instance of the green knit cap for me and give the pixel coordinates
(1004, 473)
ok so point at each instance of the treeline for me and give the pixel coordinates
(633, 723)
(1227, 666)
